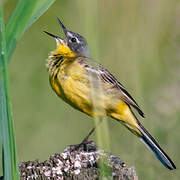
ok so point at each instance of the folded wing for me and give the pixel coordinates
(107, 77)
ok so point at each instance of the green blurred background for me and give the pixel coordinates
(138, 41)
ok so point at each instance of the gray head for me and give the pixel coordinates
(74, 41)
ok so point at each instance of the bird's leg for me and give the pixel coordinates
(85, 140)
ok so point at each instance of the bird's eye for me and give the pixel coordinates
(73, 39)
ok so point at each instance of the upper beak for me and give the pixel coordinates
(62, 26)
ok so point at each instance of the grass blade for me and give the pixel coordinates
(91, 25)
(10, 165)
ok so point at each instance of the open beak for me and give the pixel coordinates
(57, 38)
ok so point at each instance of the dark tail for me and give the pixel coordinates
(150, 142)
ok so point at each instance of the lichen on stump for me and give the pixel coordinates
(78, 162)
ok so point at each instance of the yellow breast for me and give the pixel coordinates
(71, 83)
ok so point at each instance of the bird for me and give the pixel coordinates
(73, 73)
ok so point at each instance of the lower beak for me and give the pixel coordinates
(57, 38)
(52, 35)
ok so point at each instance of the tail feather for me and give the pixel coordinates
(150, 142)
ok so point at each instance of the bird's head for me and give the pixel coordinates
(72, 45)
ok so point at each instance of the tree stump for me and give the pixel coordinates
(78, 162)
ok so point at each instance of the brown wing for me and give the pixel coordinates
(107, 77)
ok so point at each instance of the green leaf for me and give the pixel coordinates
(41, 7)
(10, 165)
(17, 23)
(24, 15)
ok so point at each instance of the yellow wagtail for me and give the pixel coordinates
(70, 66)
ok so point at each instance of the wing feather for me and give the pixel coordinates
(107, 77)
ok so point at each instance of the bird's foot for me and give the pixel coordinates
(87, 146)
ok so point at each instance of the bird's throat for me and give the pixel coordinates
(64, 50)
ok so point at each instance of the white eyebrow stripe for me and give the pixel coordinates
(69, 34)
